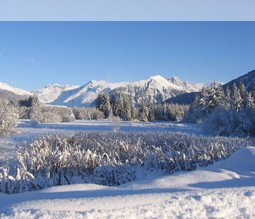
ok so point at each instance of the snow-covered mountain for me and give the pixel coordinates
(187, 86)
(75, 95)
(21, 92)
(50, 93)
(155, 88)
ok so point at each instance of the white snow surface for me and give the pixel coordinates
(4, 86)
(223, 190)
(26, 132)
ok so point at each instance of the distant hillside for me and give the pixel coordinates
(186, 99)
(12, 98)
(248, 80)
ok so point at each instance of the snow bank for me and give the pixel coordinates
(241, 162)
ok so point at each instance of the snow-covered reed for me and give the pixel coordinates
(109, 158)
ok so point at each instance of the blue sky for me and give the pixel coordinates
(34, 54)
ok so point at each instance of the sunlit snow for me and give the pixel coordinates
(223, 190)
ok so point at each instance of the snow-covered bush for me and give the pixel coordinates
(65, 113)
(87, 113)
(52, 114)
(40, 113)
(8, 117)
(109, 158)
(230, 123)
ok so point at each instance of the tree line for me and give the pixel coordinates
(229, 111)
(123, 106)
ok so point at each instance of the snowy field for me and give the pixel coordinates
(26, 132)
(223, 190)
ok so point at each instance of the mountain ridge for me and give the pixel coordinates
(156, 88)
(18, 91)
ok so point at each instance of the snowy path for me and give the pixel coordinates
(223, 190)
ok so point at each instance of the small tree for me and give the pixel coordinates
(36, 110)
(8, 117)
(236, 99)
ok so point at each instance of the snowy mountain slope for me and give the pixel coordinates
(223, 190)
(156, 88)
(75, 95)
(50, 93)
(21, 92)
(87, 94)
(186, 86)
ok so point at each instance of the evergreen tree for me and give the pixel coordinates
(118, 106)
(201, 105)
(132, 106)
(227, 102)
(236, 99)
(144, 112)
(36, 110)
(126, 111)
(165, 112)
(252, 90)
(250, 101)
(151, 113)
(26, 102)
(103, 104)
(215, 97)
(244, 95)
